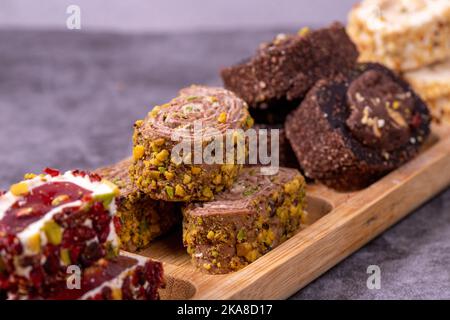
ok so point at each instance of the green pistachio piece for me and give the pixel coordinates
(169, 191)
(111, 251)
(191, 98)
(161, 169)
(106, 198)
(241, 236)
(65, 256)
(53, 232)
(250, 191)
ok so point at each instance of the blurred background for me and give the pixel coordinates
(173, 15)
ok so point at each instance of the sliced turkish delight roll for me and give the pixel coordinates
(350, 131)
(402, 34)
(432, 83)
(279, 75)
(440, 108)
(121, 278)
(173, 158)
(242, 224)
(51, 221)
(142, 218)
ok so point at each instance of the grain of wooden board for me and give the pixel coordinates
(339, 224)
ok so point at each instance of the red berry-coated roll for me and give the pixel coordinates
(51, 221)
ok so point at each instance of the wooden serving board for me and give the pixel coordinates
(340, 224)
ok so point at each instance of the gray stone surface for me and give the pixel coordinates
(69, 99)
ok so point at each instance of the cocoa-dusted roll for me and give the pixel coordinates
(285, 155)
(350, 131)
(142, 218)
(199, 115)
(243, 223)
(279, 75)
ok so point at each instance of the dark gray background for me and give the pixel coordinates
(69, 99)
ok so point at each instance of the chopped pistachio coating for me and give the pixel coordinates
(160, 174)
(257, 214)
(142, 218)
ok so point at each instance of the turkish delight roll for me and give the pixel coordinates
(432, 83)
(440, 108)
(402, 34)
(352, 130)
(278, 76)
(51, 221)
(242, 224)
(121, 278)
(173, 157)
(142, 218)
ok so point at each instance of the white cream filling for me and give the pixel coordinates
(113, 237)
(36, 226)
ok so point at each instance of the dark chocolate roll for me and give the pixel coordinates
(281, 72)
(350, 131)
